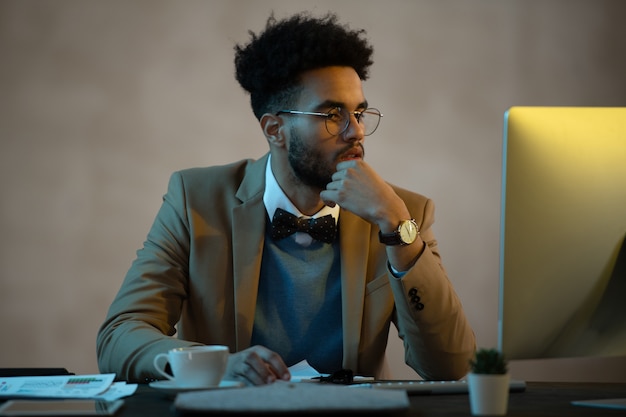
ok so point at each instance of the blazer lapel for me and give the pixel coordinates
(248, 235)
(354, 239)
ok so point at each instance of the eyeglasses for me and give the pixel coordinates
(338, 119)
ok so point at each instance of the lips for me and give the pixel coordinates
(352, 153)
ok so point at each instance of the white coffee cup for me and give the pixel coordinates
(195, 366)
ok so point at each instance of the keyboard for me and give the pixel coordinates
(419, 387)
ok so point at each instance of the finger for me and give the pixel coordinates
(274, 363)
(247, 366)
(329, 197)
(335, 184)
(338, 175)
(257, 371)
(250, 376)
(265, 366)
(277, 367)
(343, 165)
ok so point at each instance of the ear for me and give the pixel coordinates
(272, 128)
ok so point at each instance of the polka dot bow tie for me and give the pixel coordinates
(285, 224)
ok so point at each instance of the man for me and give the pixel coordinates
(217, 269)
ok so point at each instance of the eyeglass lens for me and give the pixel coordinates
(339, 119)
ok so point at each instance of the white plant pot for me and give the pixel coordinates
(489, 394)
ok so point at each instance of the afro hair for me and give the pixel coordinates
(270, 65)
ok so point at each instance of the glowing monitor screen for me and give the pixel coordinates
(562, 255)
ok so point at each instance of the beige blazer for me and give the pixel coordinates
(197, 274)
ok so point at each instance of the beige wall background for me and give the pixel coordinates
(101, 101)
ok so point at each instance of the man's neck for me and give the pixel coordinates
(305, 197)
(303, 201)
(307, 200)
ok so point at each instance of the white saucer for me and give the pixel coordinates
(170, 387)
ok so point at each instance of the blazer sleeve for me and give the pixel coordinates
(437, 336)
(141, 320)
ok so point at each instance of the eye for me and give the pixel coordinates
(335, 115)
(363, 114)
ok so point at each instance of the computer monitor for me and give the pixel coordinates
(563, 226)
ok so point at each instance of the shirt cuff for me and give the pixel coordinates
(395, 272)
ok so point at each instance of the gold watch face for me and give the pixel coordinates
(408, 231)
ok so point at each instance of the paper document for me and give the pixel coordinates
(98, 386)
(303, 371)
(116, 391)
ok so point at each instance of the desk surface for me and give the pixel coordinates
(540, 399)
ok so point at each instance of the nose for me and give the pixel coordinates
(355, 132)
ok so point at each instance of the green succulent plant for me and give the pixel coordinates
(489, 361)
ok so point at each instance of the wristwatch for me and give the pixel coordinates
(405, 234)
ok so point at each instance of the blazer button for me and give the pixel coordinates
(415, 299)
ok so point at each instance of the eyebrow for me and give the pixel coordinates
(330, 104)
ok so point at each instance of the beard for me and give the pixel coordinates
(309, 165)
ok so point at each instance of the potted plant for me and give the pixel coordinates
(488, 383)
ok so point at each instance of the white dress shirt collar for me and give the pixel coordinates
(274, 197)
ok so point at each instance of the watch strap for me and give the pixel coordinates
(392, 238)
